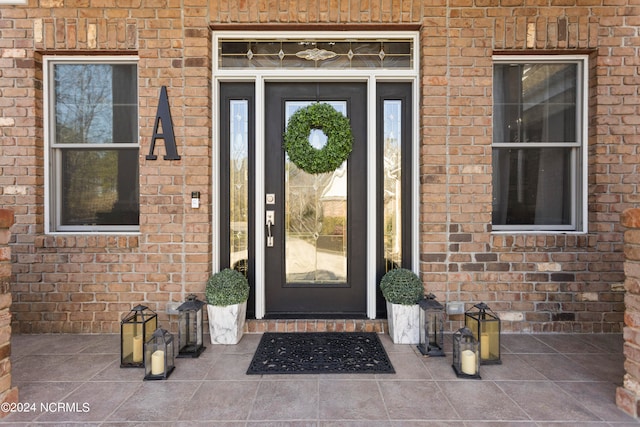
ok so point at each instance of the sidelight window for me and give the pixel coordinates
(392, 182)
(394, 179)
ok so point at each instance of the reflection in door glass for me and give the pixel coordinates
(315, 217)
(392, 184)
(239, 183)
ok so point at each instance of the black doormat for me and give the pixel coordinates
(320, 353)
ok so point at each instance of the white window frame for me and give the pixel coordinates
(579, 172)
(52, 157)
(371, 77)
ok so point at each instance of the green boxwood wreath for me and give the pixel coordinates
(339, 138)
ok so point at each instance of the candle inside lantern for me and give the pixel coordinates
(137, 348)
(157, 362)
(484, 346)
(468, 362)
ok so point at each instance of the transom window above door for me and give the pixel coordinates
(315, 53)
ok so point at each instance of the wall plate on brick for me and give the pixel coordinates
(455, 308)
(172, 307)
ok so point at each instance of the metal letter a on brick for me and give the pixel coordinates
(164, 115)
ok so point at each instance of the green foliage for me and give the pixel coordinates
(339, 138)
(401, 286)
(227, 287)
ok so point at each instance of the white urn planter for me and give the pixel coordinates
(404, 323)
(226, 323)
(403, 289)
(227, 292)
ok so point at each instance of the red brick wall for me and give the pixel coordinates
(7, 393)
(628, 396)
(537, 282)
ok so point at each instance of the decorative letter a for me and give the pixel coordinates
(164, 114)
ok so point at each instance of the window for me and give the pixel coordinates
(539, 140)
(315, 53)
(92, 132)
(394, 181)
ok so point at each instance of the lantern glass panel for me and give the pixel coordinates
(431, 327)
(136, 328)
(159, 356)
(485, 325)
(190, 328)
(466, 360)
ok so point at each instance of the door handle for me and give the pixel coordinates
(270, 221)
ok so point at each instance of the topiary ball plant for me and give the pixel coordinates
(401, 286)
(227, 287)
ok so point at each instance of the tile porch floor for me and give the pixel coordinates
(545, 380)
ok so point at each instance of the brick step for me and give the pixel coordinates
(316, 325)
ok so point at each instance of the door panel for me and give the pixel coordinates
(317, 264)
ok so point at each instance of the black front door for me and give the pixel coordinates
(316, 258)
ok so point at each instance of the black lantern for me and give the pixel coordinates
(136, 328)
(431, 327)
(159, 356)
(190, 326)
(485, 325)
(466, 360)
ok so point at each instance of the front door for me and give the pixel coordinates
(315, 252)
